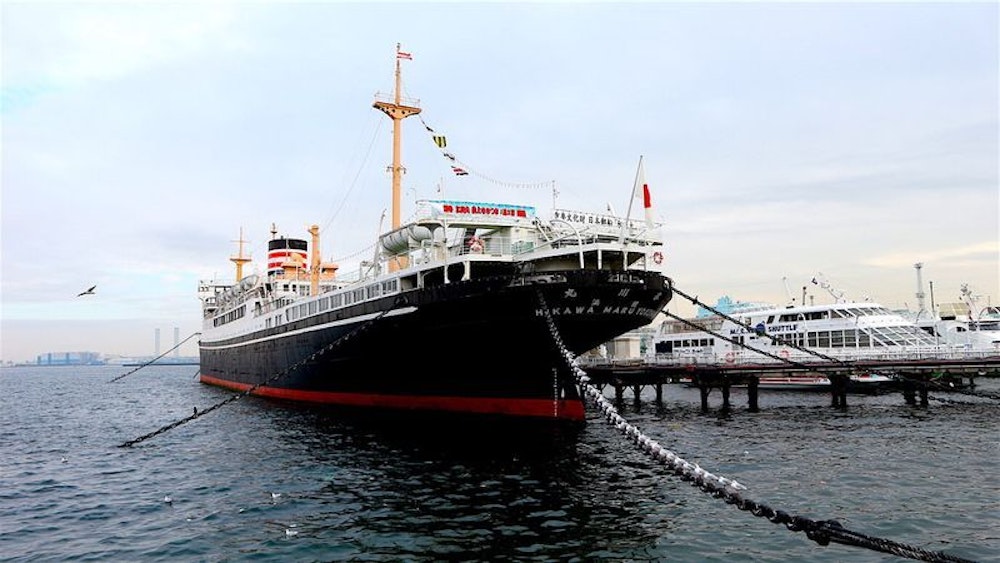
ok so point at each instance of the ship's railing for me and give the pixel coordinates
(495, 245)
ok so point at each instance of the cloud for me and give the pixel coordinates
(46, 55)
(985, 251)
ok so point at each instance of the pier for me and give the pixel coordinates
(912, 377)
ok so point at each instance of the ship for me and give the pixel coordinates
(763, 336)
(471, 308)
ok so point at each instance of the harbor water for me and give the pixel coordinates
(259, 480)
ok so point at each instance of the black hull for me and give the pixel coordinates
(479, 346)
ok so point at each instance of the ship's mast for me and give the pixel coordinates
(314, 262)
(239, 259)
(397, 111)
(921, 304)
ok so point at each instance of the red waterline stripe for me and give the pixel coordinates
(540, 408)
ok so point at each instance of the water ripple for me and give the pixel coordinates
(264, 481)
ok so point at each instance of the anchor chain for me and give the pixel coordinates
(178, 345)
(820, 531)
(322, 351)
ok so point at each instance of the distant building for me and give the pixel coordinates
(69, 359)
(727, 306)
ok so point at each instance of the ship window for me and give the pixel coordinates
(824, 339)
(837, 338)
(324, 304)
(338, 300)
(851, 337)
(312, 307)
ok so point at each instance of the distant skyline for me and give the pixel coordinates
(781, 141)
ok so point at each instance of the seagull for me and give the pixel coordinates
(88, 292)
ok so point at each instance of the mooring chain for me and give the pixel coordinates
(934, 385)
(320, 352)
(685, 468)
(178, 345)
(820, 531)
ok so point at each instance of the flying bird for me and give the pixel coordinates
(88, 292)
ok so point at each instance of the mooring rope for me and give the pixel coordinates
(322, 351)
(150, 362)
(925, 383)
(720, 336)
(820, 531)
(695, 301)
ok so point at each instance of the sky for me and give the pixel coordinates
(781, 142)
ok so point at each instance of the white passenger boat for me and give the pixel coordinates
(959, 324)
(860, 382)
(842, 331)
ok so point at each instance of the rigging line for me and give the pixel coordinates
(178, 345)
(476, 173)
(368, 248)
(400, 300)
(820, 531)
(354, 182)
(355, 254)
